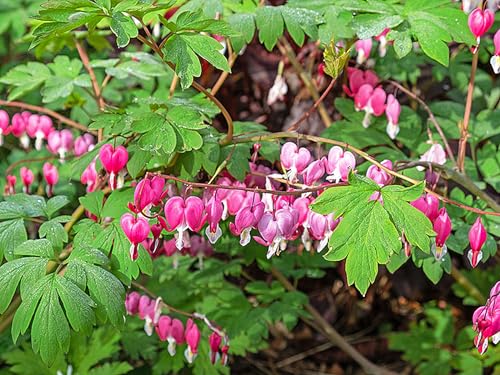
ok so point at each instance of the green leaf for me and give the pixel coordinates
(116, 204)
(187, 64)
(369, 25)
(432, 39)
(25, 78)
(38, 248)
(54, 232)
(301, 21)
(366, 237)
(12, 233)
(93, 202)
(25, 270)
(54, 204)
(270, 24)
(137, 162)
(208, 48)
(402, 42)
(124, 29)
(244, 24)
(344, 198)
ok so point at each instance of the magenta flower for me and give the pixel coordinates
(486, 321)
(4, 125)
(214, 209)
(214, 342)
(338, 164)
(294, 159)
(320, 228)
(60, 142)
(170, 330)
(39, 127)
(313, 172)
(136, 229)
(477, 238)
(370, 100)
(246, 219)
(192, 336)
(148, 192)
(83, 144)
(27, 178)
(149, 311)
(90, 177)
(480, 21)
(183, 214)
(132, 303)
(392, 111)
(10, 186)
(442, 227)
(114, 161)
(18, 127)
(276, 229)
(428, 204)
(358, 78)
(51, 176)
(378, 175)
(363, 48)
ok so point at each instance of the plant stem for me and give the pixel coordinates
(332, 333)
(464, 129)
(286, 50)
(48, 112)
(431, 118)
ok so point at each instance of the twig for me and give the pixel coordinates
(432, 118)
(333, 335)
(286, 50)
(459, 178)
(365, 156)
(306, 115)
(95, 86)
(49, 112)
(27, 161)
(464, 129)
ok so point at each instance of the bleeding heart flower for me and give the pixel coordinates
(10, 186)
(246, 219)
(427, 204)
(358, 78)
(51, 176)
(136, 229)
(363, 47)
(39, 127)
(435, 154)
(90, 177)
(214, 209)
(4, 125)
(132, 303)
(382, 39)
(380, 176)
(183, 214)
(313, 172)
(83, 144)
(18, 127)
(442, 227)
(480, 21)
(148, 192)
(114, 161)
(294, 159)
(192, 335)
(27, 177)
(477, 238)
(214, 342)
(392, 111)
(370, 100)
(338, 164)
(60, 142)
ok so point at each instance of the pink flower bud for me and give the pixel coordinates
(358, 78)
(378, 175)
(27, 177)
(214, 342)
(442, 227)
(10, 186)
(192, 335)
(113, 160)
(90, 177)
(480, 21)
(51, 176)
(294, 159)
(136, 229)
(132, 303)
(477, 238)
(392, 111)
(338, 164)
(363, 47)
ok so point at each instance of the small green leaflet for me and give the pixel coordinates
(124, 29)
(370, 232)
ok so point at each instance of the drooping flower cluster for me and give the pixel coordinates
(173, 331)
(486, 321)
(363, 47)
(372, 99)
(441, 223)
